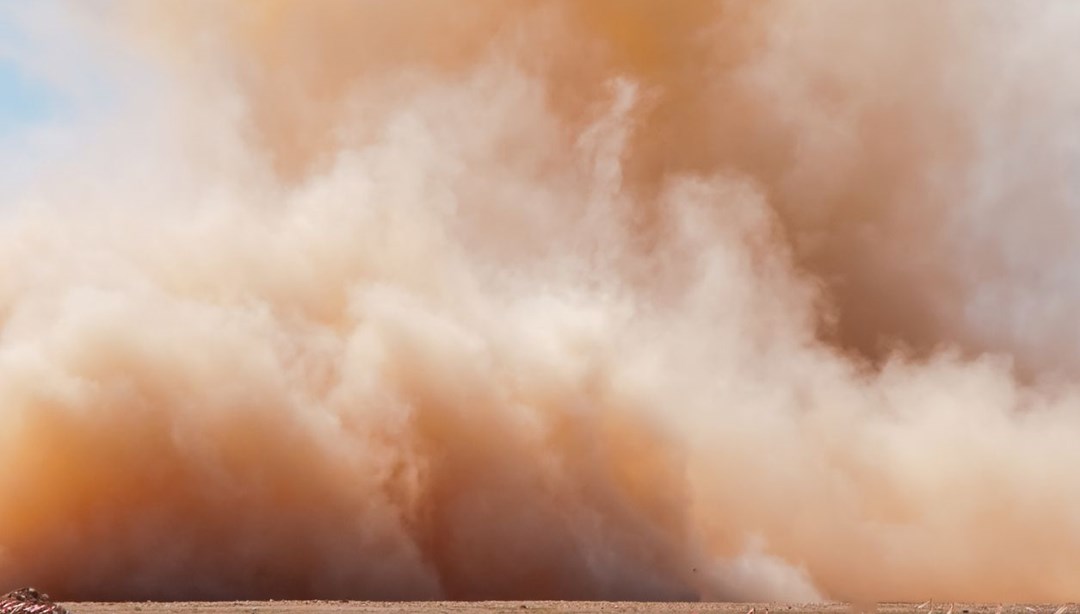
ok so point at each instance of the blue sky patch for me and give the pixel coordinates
(22, 99)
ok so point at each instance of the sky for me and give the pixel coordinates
(24, 99)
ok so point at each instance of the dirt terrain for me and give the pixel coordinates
(470, 607)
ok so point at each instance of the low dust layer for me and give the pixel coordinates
(469, 607)
(543, 300)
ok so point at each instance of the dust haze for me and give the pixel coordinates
(410, 299)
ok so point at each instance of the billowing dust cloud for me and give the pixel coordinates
(510, 299)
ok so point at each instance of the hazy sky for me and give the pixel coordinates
(24, 99)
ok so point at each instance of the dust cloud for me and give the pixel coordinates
(510, 299)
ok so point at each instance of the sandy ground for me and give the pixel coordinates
(469, 607)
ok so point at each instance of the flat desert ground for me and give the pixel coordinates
(519, 607)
